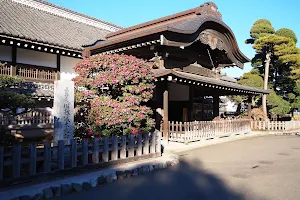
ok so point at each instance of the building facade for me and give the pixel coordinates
(42, 42)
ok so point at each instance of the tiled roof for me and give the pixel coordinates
(58, 26)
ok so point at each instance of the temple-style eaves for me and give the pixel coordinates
(198, 31)
(212, 85)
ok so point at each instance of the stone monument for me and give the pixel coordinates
(63, 111)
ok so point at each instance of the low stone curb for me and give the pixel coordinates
(65, 189)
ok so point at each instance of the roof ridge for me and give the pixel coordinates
(69, 14)
(208, 8)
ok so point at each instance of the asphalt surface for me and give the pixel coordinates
(261, 168)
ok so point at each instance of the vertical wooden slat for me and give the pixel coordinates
(153, 139)
(96, 150)
(114, 153)
(140, 145)
(47, 157)
(61, 154)
(105, 150)
(32, 158)
(85, 149)
(131, 146)
(1, 162)
(158, 146)
(123, 147)
(146, 143)
(16, 160)
(73, 153)
(181, 135)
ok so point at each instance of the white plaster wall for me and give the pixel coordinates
(31, 57)
(5, 53)
(178, 92)
(66, 67)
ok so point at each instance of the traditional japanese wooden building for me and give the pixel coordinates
(190, 49)
(41, 42)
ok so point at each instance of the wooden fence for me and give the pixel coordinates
(27, 161)
(30, 73)
(201, 130)
(28, 118)
(276, 125)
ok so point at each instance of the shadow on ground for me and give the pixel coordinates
(186, 181)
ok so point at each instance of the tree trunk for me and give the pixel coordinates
(266, 79)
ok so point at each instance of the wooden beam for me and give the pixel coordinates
(166, 114)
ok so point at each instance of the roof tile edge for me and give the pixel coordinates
(69, 14)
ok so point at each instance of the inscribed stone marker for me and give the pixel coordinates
(63, 111)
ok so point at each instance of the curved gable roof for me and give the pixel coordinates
(188, 24)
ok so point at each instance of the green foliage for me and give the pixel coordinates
(261, 27)
(252, 79)
(278, 105)
(296, 103)
(284, 68)
(291, 96)
(273, 43)
(13, 100)
(297, 89)
(7, 81)
(285, 32)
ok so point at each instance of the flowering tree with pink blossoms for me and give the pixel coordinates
(113, 90)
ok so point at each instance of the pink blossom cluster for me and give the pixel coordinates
(130, 82)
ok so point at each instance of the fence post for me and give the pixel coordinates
(140, 145)
(185, 133)
(114, 153)
(131, 146)
(47, 157)
(1, 162)
(61, 154)
(85, 153)
(123, 147)
(73, 153)
(96, 150)
(105, 149)
(153, 139)
(158, 146)
(146, 144)
(16, 160)
(32, 158)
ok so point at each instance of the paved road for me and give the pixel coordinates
(262, 168)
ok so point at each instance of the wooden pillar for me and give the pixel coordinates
(166, 114)
(58, 67)
(249, 100)
(202, 109)
(191, 102)
(14, 55)
(216, 106)
(13, 60)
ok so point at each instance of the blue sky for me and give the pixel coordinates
(238, 14)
